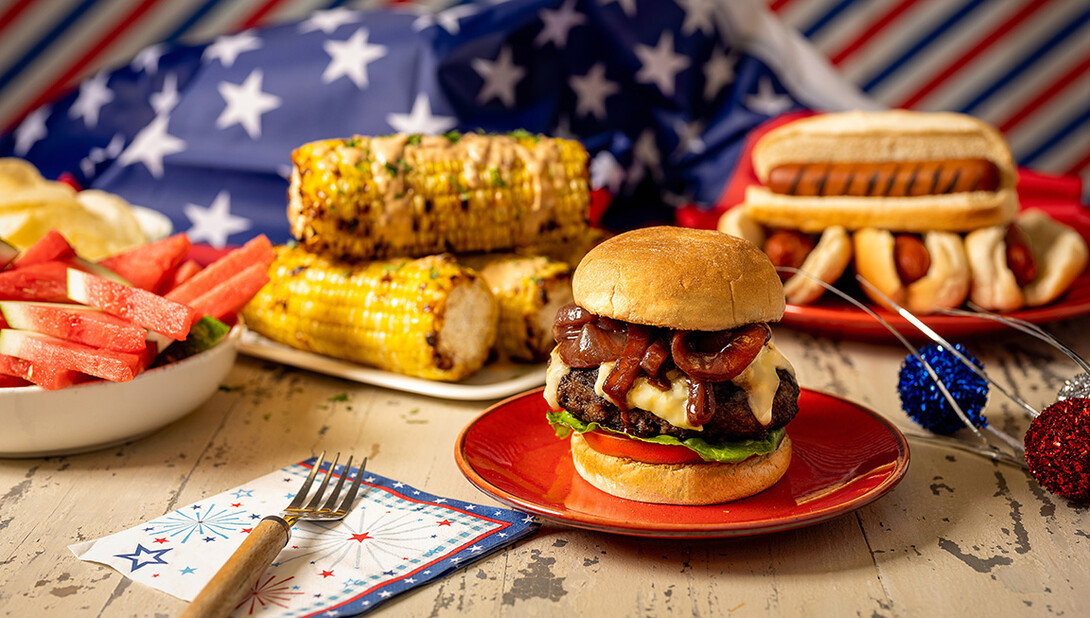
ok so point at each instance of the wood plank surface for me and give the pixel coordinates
(960, 535)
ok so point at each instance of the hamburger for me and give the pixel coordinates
(665, 375)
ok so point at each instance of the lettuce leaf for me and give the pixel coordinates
(731, 452)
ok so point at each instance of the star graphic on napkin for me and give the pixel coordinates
(162, 540)
(445, 522)
(327, 573)
(361, 537)
(144, 556)
(188, 571)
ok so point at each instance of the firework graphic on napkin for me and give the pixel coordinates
(395, 538)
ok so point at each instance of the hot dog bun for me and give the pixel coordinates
(1058, 250)
(827, 262)
(688, 484)
(945, 285)
(876, 137)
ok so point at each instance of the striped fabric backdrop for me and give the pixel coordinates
(1023, 65)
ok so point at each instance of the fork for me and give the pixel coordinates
(227, 587)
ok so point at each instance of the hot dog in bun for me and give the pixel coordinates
(665, 373)
(1029, 262)
(897, 170)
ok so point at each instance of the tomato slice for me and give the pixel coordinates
(638, 450)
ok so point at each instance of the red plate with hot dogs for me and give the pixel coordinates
(929, 208)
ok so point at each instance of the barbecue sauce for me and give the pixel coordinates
(585, 341)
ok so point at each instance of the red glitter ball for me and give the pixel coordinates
(1058, 449)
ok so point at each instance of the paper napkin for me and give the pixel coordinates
(395, 539)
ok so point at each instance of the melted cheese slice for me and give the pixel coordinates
(557, 370)
(759, 380)
(668, 405)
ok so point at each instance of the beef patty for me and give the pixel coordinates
(733, 419)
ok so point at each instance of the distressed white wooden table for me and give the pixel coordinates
(960, 536)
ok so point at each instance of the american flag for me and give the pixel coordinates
(662, 92)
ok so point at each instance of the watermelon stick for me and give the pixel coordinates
(77, 323)
(257, 250)
(141, 307)
(49, 351)
(48, 377)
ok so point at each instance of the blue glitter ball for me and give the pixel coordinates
(922, 400)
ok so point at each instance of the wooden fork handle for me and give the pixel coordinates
(236, 578)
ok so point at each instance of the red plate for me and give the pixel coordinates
(834, 317)
(845, 456)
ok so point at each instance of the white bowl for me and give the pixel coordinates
(38, 423)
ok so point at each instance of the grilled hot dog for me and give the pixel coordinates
(890, 179)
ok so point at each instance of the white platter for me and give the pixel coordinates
(94, 415)
(493, 381)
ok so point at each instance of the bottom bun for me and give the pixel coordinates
(688, 484)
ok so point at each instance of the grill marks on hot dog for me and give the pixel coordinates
(889, 179)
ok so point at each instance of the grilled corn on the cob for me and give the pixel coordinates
(429, 317)
(530, 289)
(376, 197)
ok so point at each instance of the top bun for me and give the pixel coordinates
(679, 278)
(879, 136)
